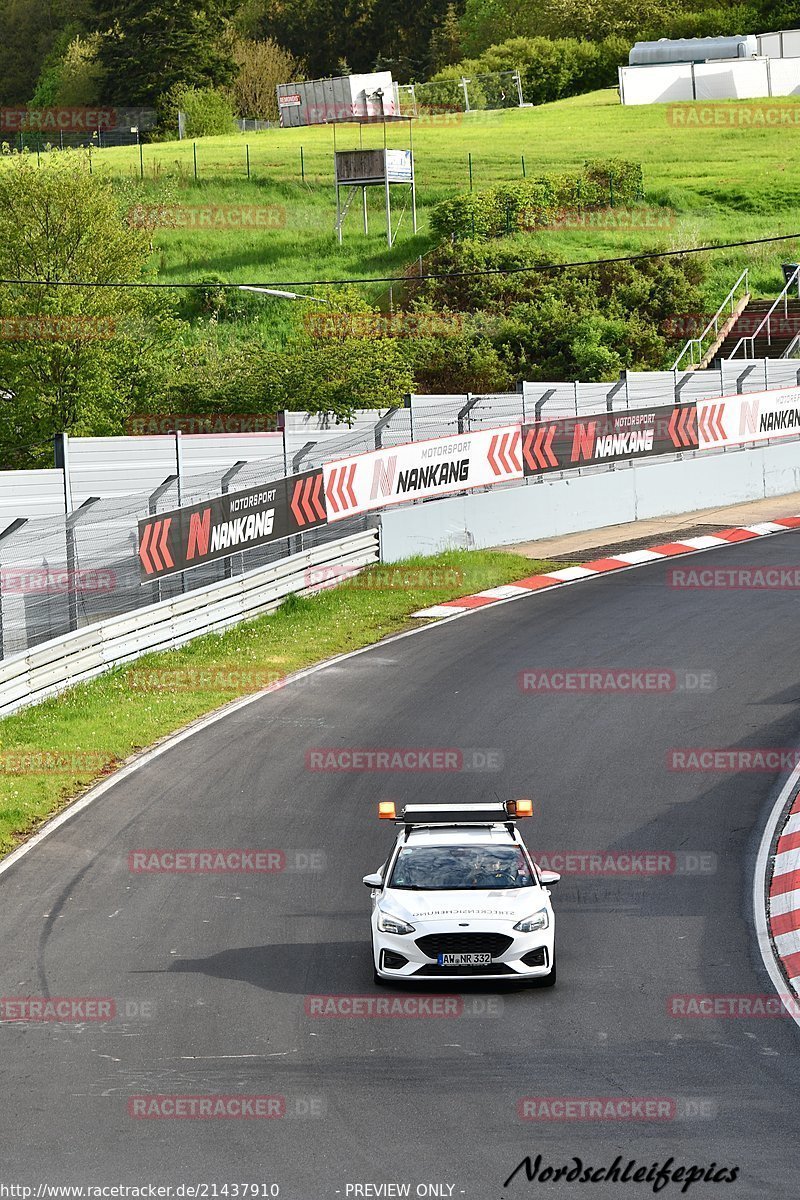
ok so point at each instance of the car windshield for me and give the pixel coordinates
(450, 868)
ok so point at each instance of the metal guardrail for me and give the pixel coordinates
(54, 665)
(728, 306)
(750, 338)
(792, 348)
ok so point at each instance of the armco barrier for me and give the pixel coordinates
(52, 666)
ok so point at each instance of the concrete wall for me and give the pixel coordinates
(581, 502)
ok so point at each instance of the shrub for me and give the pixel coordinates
(208, 111)
(510, 207)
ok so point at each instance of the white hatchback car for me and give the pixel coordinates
(461, 898)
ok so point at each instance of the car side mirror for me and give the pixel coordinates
(375, 880)
(549, 878)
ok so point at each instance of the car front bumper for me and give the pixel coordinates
(529, 956)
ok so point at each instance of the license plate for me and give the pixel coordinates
(465, 960)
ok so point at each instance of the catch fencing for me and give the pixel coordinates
(67, 564)
(76, 657)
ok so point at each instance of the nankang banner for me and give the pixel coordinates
(570, 442)
(188, 537)
(755, 417)
(421, 470)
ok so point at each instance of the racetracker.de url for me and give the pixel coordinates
(143, 1191)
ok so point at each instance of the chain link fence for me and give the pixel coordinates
(500, 89)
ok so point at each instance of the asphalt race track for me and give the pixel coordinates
(210, 972)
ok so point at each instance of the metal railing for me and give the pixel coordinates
(792, 348)
(750, 338)
(728, 307)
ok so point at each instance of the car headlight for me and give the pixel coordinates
(539, 920)
(389, 924)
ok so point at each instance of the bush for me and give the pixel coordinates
(532, 204)
(208, 111)
(550, 69)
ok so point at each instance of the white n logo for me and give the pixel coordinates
(383, 477)
(748, 417)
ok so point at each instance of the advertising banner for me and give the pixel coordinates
(187, 537)
(569, 442)
(755, 417)
(420, 470)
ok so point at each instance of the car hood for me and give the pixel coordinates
(507, 904)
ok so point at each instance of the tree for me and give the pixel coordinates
(149, 47)
(29, 32)
(71, 358)
(74, 77)
(261, 66)
(446, 40)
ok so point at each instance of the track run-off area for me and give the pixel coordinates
(220, 982)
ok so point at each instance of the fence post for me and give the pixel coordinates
(469, 156)
(194, 156)
(72, 587)
(302, 166)
(227, 479)
(611, 190)
(464, 83)
(523, 167)
(141, 158)
(247, 154)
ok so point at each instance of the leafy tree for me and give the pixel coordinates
(150, 46)
(71, 358)
(30, 30)
(261, 66)
(446, 40)
(74, 77)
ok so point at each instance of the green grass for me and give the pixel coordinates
(111, 717)
(719, 184)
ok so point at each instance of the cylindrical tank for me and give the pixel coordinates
(688, 50)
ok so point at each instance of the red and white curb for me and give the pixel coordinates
(600, 566)
(784, 898)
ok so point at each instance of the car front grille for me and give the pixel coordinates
(434, 944)
(434, 971)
